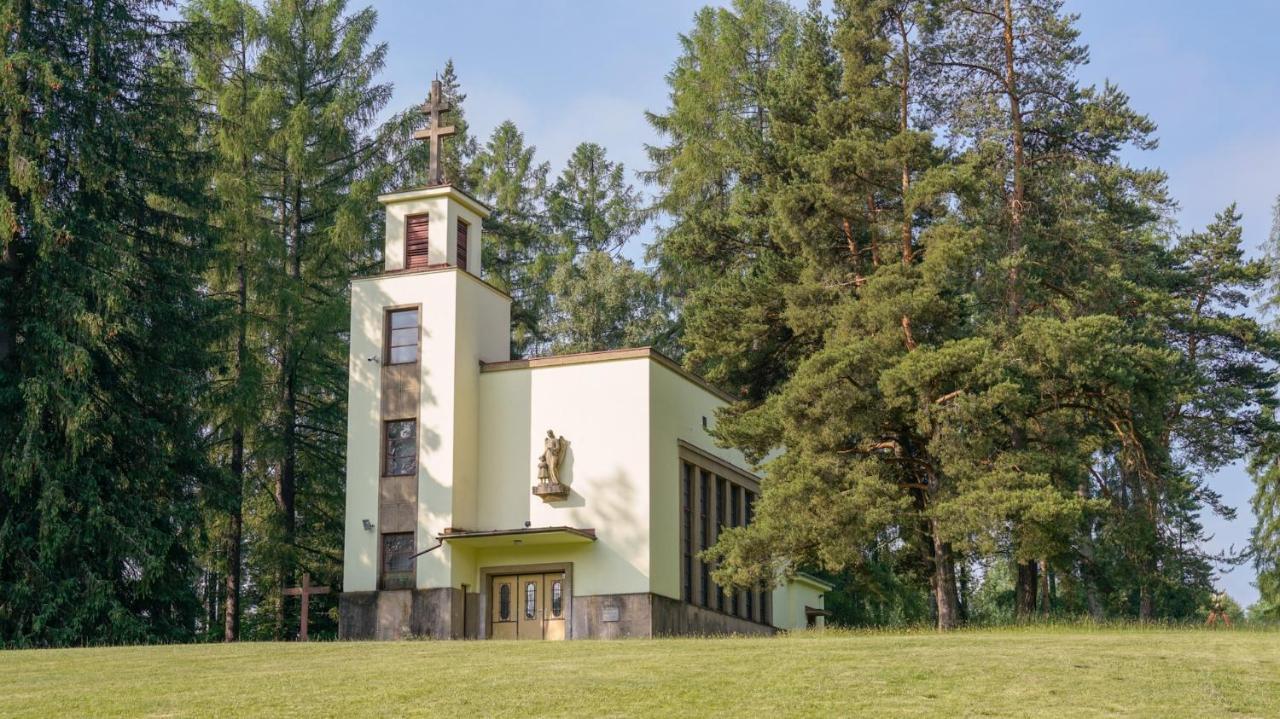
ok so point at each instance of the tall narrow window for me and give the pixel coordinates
(748, 508)
(721, 521)
(397, 560)
(415, 241)
(704, 530)
(463, 228)
(735, 520)
(401, 448)
(504, 602)
(686, 533)
(557, 600)
(402, 336)
(530, 600)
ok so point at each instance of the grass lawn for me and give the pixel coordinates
(1055, 672)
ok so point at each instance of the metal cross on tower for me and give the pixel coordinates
(435, 107)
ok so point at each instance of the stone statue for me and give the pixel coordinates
(549, 462)
(1218, 610)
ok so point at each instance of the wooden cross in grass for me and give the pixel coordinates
(435, 132)
(305, 591)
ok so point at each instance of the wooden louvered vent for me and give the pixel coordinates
(463, 229)
(415, 241)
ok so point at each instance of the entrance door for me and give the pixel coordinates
(528, 606)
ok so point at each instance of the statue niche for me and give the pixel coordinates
(549, 487)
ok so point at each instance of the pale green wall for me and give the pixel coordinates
(678, 408)
(369, 298)
(790, 599)
(601, 408)
(444, 206)
(463, 322)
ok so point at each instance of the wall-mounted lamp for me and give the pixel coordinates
(368, 526)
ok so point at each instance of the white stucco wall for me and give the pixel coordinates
(443, 205)
(602, 409)
(679, 405)
(463, 322)
(790, 599)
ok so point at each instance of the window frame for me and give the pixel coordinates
(719, 496)
(388, 329)
(386, 577)
(386, 446)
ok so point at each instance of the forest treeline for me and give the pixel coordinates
(985, 376)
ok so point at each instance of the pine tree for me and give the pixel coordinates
(596, 300)
(105, 330)
(1265, 467)
(717, 259)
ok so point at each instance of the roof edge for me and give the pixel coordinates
(608, 356)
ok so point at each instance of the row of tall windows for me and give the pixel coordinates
(710, 501)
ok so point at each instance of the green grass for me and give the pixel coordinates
(1048, 671)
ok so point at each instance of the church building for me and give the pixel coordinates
(560, 497)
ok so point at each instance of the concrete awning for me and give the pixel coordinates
(527, 536)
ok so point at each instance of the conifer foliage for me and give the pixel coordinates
(103, 328)
(951, 310)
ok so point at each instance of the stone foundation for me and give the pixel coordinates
(401, 614)
(618, 616)
(439, 614)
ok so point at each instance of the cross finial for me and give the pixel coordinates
(435, 107)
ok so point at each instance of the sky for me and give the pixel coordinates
(570, 72)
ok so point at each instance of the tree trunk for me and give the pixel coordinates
(1144, 604)
(235, 520)
(1025, 590)
(944, 581)
(1045, 599)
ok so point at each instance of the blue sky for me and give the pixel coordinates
(569, 72)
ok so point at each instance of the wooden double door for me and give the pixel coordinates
(528, 606)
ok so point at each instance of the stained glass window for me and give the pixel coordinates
(530, 600)
(402, 448)
(557, 603)
(397, 553)
(504, 602)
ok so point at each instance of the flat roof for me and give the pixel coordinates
(809, 579)
(446, 188)
(607, 356)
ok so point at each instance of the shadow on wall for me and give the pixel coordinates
(429, 439)
(611, 511)
(507, 461)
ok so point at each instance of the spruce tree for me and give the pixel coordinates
(105, 330)
(518, 253)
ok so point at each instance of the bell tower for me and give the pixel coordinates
(419, 331)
